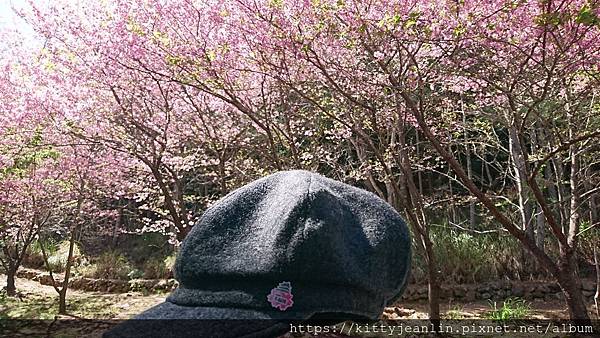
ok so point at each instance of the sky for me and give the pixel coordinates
(10, 20)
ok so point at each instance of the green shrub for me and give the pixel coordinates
(454, 313)
(137, 285)
(154, 269)
(512, 309)
(109, 265)
(58, 255)
(140, 247)
(88, 270)
(170, 264)
(135, 274)
(159, 268)
(467, 258)
(33, 256)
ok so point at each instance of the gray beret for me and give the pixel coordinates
(290, 246)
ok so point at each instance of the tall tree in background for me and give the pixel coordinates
(28, 160)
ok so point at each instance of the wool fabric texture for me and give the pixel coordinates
(288, 247)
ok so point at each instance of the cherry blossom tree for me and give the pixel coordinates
(50, 179)
(25, 202)
(176, 136)
(89, 177)
(27, 164)
(215, 91)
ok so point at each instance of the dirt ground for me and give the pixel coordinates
(36, 301)
(110, 305)
(125, 305)
(539, 309)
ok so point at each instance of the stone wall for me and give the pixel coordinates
(461, 292)
(102, 285)
(543, 290)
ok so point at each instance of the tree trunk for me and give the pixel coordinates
(469, 168)
(419, 172)
(62, 295)
(563, 211)
(540, 229)
(415, 211)
(593, 206)
(564, 272)
(594, 210)
(11, 289)
(553, 197)
(453, 216)
(434, 285)
(540, 224)
(597, 295)
(116, 228)
(426, 247)
(525, 209)
(62, 301)
(570, 284)
(182, 233)
(488, 173)
(568, 254)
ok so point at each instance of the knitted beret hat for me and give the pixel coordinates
(290, 246)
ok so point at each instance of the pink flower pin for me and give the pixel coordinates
(281, 296)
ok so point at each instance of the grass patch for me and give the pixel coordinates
(36, 306)
(16, 314)
(456, 312)
(469, 258)
(512, 309)
(109, 265)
